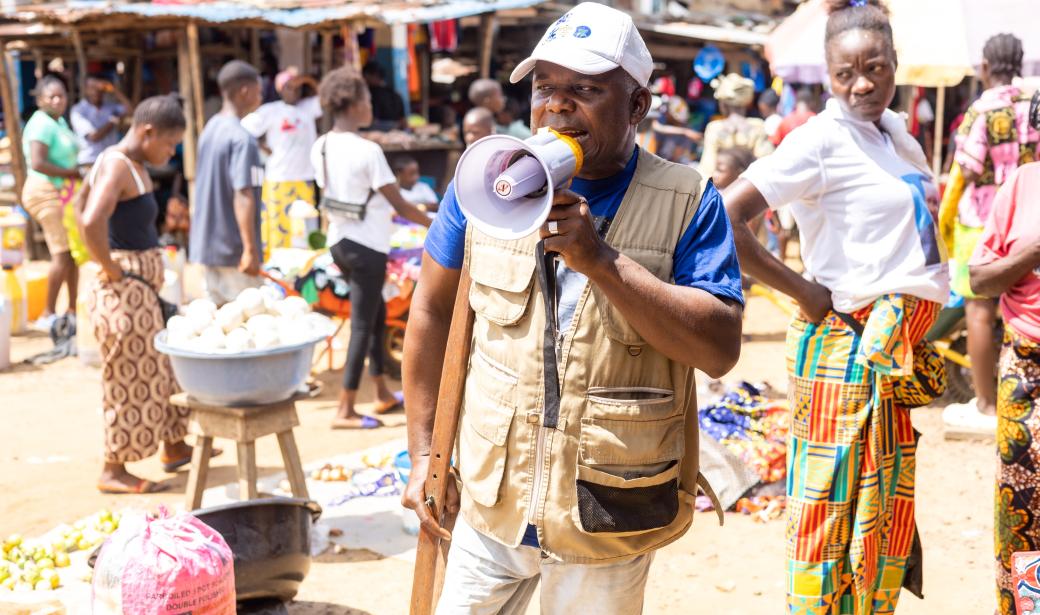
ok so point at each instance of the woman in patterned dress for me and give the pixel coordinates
(860, 189)
(119, 223)
(1006, 264)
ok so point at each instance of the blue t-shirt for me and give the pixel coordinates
(704, 258)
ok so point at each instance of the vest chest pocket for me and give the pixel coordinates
(629, 450)
(502, 283)
(615, 325)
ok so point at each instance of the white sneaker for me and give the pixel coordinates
(43, 324)
(965, 420)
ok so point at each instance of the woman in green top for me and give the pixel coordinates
(50, 146)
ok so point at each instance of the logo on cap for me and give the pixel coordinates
(582, 32)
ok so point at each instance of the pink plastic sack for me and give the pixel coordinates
(164, 566)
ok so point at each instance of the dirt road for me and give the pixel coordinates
(50, 457)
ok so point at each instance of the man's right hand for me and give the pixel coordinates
(249, 264)
(414, 497)
(815, 302)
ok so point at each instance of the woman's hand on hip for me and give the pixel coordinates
(815, 302)
(112, 274)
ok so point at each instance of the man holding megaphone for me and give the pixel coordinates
(576, 448)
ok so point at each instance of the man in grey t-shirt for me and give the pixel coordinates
(225, 228)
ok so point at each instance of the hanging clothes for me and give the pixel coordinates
(444, 36)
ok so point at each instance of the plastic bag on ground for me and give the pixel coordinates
(164, 566)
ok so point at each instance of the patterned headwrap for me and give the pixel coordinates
(734, 90)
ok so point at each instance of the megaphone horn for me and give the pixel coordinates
(505, 186)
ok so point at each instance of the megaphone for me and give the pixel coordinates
(505, 186)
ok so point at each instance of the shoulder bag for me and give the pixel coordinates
(169, 310)
(351, 211)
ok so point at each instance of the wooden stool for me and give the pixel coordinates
(243, 424)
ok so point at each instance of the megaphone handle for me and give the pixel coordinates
(546, 268)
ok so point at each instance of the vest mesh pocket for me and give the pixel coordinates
(612, 509)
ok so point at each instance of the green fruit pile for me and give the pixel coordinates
(32, 565)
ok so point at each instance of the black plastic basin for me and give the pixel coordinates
(271, 542)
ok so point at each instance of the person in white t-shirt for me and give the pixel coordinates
(861, 191)
(287, 130)
(406, 169)
(353, 171)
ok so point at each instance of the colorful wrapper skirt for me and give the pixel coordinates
(850, 485)
(276, 227)
(136, 380)
(1017, 511)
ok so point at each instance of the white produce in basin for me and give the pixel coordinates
(238, 340)
(212, 339)
(265, 338)
(201, 306)
(292, 306)
(251, 300)
(229, 316)
(181, 327)
(261, 322)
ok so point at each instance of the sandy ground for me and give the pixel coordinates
(50, 457)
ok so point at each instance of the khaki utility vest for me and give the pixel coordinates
(617, 475)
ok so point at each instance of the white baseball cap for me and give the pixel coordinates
(592, 39)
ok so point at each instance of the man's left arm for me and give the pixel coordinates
(691, 323)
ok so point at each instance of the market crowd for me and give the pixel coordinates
(576, 455)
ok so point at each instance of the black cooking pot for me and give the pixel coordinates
(271, 542)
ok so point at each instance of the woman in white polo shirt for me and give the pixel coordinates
(353, 171)
(859, 187)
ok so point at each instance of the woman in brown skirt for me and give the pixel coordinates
(119, 224)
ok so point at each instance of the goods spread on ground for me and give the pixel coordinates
(28, 565)
(258, 319)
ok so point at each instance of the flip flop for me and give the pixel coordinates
(365, 422)
(390, 406)
(173, 465)
(143, 486)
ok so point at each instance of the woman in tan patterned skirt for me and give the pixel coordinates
(119, 224)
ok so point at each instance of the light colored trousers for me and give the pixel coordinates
(223, 284)
(485, 577)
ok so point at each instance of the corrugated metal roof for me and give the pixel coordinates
(704, 32)
(419, 11)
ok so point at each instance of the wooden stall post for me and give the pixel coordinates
(190, 132)
(137, 83)
(195, 65)
(254, 48)
(81, 61)
(326, 52)
(351, 50)
(326, 68)
(488, 25)
(399, 53)
(11, 120)
(940, 120)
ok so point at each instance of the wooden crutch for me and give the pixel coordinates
(430, 554)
